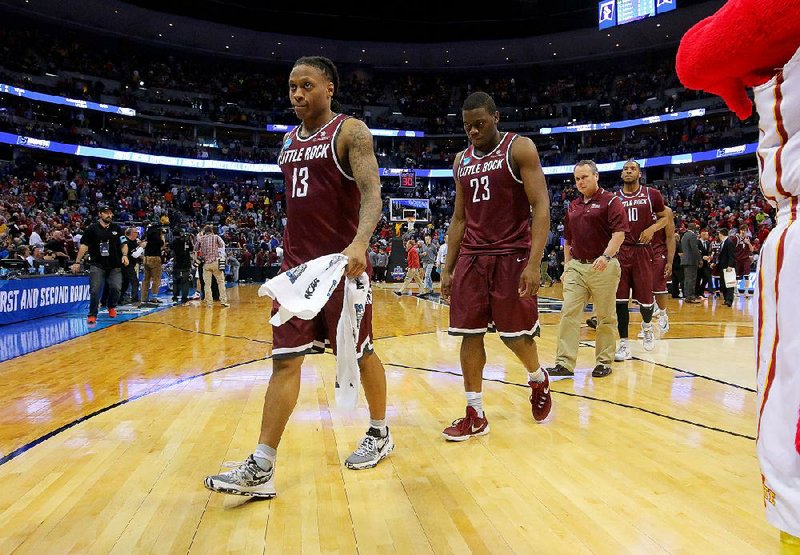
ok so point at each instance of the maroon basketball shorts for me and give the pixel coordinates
(659, 266)
(742, 268)
(636, 264)
(303, 337)
(485, 297)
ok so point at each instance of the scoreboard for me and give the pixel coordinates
(619, 12)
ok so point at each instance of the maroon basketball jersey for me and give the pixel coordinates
(642, 206)
(322, 201)
(741, 250)
(659, 242)
(497, 208)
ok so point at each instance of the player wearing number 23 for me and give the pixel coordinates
(495, 244)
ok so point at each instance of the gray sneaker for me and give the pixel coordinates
(372, 448)
(246, 479)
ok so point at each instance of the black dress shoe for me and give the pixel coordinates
(601, 371)
(559, 371)
(592, 322)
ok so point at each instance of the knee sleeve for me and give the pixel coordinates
(647, 313)
(623, 317)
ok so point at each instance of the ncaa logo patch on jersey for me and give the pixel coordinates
(465, 160)
(287, 143)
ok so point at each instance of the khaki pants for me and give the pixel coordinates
(212, 269)
(544, 275)
(152, 276)
(413, 274)
(582, 282)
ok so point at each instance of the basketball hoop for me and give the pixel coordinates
(410, 221)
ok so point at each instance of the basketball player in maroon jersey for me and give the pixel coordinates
(333, 204)
(663, 245)
(643, 205)
(495, 243)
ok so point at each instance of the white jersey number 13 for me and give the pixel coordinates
(300, 182)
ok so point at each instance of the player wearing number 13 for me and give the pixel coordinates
(495, 244)
(333, 204)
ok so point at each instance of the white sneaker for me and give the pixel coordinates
(663, 322)
(648, 338)
(623, 353)
(656, 331)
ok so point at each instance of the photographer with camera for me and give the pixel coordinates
(130, 275)
(153, 244)
(181, 266)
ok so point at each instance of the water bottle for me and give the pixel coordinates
(41, 270)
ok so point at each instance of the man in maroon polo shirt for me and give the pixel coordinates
(594, 230)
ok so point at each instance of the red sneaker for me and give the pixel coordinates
(112, 312)
(467, 427)
(541, 403)
(91, 320)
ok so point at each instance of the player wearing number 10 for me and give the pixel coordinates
(646, 215)
(495, 245)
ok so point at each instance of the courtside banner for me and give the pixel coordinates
(29, 298)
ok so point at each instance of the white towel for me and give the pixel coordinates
(303, 291)
(348, 376)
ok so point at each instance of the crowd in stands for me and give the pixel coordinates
(217, 109)
(45, 207)
(48, 206)
(244, 93)
(692, 135)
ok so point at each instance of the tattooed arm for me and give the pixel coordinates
(355, 146)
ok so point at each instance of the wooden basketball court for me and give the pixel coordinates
(107, 439)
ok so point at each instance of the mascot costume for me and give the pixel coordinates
(756, 44)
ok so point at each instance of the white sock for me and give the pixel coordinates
(647, 325)
(265, 456)
(623, 342)
(537, 376)
(379, 425)
(475, 400)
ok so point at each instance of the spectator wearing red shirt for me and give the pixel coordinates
(413, 271)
